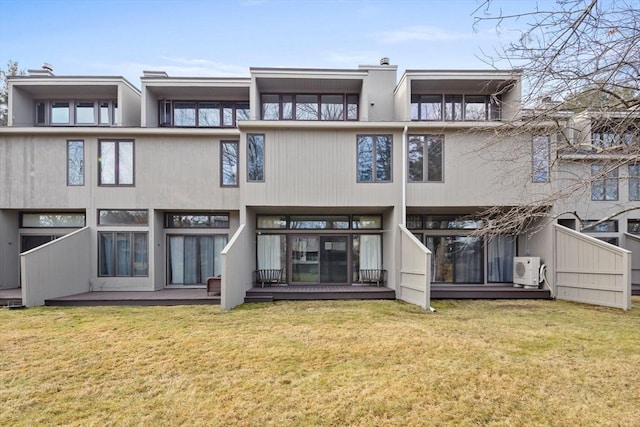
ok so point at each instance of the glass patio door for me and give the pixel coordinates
(319, 259)
(456, 259)
(333, 259)
(194, 258)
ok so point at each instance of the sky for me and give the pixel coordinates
(226, 37)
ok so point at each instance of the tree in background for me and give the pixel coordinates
(12, 70)
(580, 61)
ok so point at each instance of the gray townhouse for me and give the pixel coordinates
(326, 176)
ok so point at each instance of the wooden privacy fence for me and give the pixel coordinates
(591, 271)
(415, 268)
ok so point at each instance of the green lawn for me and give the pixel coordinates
(322, 363)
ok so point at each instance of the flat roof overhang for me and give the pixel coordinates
(198, 88)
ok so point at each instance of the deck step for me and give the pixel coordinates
(322, 292)
(258, 298)
(10, 302)
(487, 292)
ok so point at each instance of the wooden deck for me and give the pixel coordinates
(318, 292)
(13, 297)
(486, 292)
(168, 296)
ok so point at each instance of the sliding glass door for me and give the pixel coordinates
(194, 258)
(456, 259)
(305, 260)
(334, 266)
(320, 259)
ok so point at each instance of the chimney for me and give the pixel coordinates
(384, 61)
(45, 71)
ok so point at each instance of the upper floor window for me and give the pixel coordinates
(116, 162)
(634, 182)
(541, 152)
(76, 112)
(425, 158)
(374, 158)
(604, 184)
(75, 162)
(229, 163)
(309, 107)
(633, 226)
(202, 114)
(436, 107)
(612, 136)
(255, 157)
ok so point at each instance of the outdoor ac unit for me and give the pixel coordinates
(525, 271)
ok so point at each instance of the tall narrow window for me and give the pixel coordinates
(104, 113)
(425, 158)
(255, 157)
(634, 182)
(41, 117)
(604, 184)
(540, 158)
(227, 114)
(75, 162)
(352, 107)
(374, 158)
(116, 163)
(229, 163)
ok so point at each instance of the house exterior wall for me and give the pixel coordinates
(573, 173)
(318, 167)
(9, 249)
(129, 106)
(471, 175)
(310, 167)
(171, 172)
(22, 112)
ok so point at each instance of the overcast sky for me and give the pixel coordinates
(223, 38)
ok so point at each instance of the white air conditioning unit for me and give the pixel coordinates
(525, 271)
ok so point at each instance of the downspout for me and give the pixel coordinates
(404, 176)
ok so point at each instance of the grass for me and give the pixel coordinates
(322, 363)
